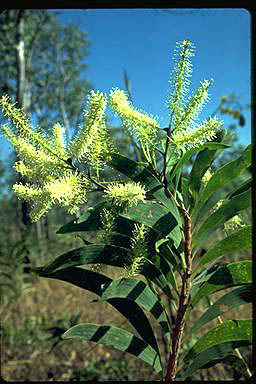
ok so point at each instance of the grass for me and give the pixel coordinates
(32, 352)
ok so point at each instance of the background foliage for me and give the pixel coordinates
(35, 312)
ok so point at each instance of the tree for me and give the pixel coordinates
(53, 84)
(42, 70)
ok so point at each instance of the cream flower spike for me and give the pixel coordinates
(130, 193)
(179, 81)
(143, 126)
(23, 125)
(194, 106)
(58, 134)
(206, 131)
(81, 144)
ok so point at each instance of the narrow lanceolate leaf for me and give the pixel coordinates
(242, 188)
(153, 273)
(140, 173)
(167, 270)
(89, 254)
(233, 299)
(217, 343)
(96, 282)
(141, 294)
(241, 239)
(230, 275)
(221, 177)
(117, 338)
(220, 216)
(103, 254)
(153, 215)
(234, 362)
(89, 221)
(185, 158)
(202, 162)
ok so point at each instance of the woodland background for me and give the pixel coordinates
(45, 80)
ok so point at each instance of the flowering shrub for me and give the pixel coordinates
(153, 225)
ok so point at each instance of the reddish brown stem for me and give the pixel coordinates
(183, 302)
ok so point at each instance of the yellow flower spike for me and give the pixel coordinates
(100, 149)
(41, 200)
(66, 190)
(16, 115)
(234, 223)
(26, 192)
(40, 163)
(40, 207)
(107, 219)
(180, 76)
(144, 127)
(138, 253)
(186, 118)
(80, 146)
(206, 131)
(130, 193)
(23, 124)
(206, 177)
(59, 138)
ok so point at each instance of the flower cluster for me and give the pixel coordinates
(49, 178)
(186, 118)
(194, 137)
(180, 76)
(92, 141)
(232, 224)
(130, 193)
(206, 177)
(68, 191)
(108, 224)
(143, 126)
(183, 117)
(138, 252)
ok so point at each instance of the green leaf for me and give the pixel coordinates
(96, 282)
(153, 215)
(232, 360)
(151, 272)
(244, 187)
(226, 211)
(167, 270)
(221, 177)
(141, 294)
(157, 217)
(185, 158)
(230, 275)
(233, 299)
(103, 254)
(235, 242)
(117, 338)
(89, 221)
(89, 254)
(138, 172)
(217, 343)
(201, 164)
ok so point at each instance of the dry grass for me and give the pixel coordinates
(27, 356)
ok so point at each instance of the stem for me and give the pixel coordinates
(183, 301)
(88, 176)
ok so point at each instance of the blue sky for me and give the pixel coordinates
(142, 41)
